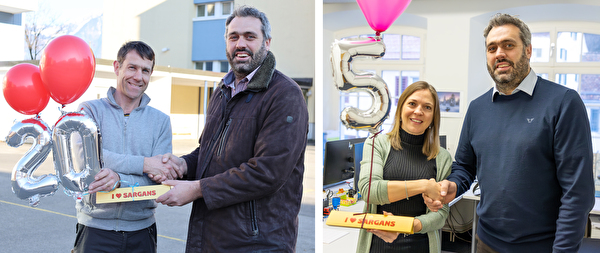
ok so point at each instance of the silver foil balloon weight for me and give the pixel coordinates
(24, 184)
(347, 79)
(77, 152)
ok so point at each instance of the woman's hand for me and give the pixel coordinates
(386, 236)
(417, 226)
(433, 189)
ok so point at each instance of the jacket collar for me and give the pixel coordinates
(263, 75)
(262, 78)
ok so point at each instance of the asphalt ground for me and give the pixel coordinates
(50, 227)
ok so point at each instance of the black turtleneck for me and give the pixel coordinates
(407, 164)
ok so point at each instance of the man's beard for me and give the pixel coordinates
(510, 81)
(243, 69)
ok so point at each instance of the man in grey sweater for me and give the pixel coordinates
(134, 136)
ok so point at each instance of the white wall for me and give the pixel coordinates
(12, 47)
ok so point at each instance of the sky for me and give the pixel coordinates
(72, 14)
(73, 10)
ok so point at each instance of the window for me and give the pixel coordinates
(216, 66)
(400, 66)
(541, 47)
(574, 62)
(206, 10)
(563, 55)
(595, 118)
(214, 10)
(227, 8)
(401, 47)
(411, 47)
(578, 47)
(224, 66)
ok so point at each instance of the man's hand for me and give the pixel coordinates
(447, 193)
(183, 192)
(178, 163)
(105, 180)
(159, 171)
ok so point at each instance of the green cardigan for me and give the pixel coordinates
(431, 221)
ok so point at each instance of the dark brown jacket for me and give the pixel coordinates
(250, 163)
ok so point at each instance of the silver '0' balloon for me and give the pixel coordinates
(24, 184)
(77, 152)
(346, 79)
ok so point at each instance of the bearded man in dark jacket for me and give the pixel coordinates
(245, 177)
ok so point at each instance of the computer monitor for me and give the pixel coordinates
(340, 162)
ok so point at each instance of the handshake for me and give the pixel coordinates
(160, 168)
(439, 193)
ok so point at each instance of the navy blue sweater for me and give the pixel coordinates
(533, 158)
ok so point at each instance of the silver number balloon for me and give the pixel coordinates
(77, 152)
(24, 184)
(347, 79)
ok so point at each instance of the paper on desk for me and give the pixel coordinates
(330, 235)
(400, 224)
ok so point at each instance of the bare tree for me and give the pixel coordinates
(40, 28)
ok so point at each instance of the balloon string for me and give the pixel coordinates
(370, 178)
(114, 187)
(129, 185)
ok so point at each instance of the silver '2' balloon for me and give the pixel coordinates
(77, 152)
(24, 184)
(346, 79)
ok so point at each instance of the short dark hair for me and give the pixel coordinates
(501, 19)
(140, 47)
(248, 11)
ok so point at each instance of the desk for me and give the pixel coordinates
(341, 239)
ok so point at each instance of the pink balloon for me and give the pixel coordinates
(381, 14)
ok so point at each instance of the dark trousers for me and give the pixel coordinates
(482, 247)
(93, 240)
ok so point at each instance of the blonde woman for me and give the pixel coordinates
(400, 166)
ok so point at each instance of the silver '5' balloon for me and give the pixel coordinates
(77, 152)
(343, 52)
(24, 184)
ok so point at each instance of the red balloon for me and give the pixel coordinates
(381, 14)
(67, 68)
(23, 89)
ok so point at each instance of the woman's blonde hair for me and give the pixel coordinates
(431, 146)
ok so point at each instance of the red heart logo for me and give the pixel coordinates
(118, 195)
(352, 220)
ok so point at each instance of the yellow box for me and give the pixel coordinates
(400, 224)
(127, 194)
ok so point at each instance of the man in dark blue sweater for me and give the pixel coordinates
(528, 141)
